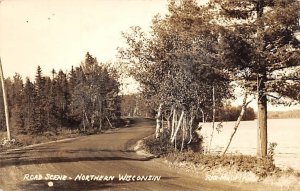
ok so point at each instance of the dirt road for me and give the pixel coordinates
(96, 163)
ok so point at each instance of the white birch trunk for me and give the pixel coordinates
(158, 121)
(237, 123)
(173, 123)
(109, 122)
(183, 132)
(178, 127)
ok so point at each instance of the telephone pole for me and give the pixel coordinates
(5, 101)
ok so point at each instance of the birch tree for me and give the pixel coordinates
(176, 63)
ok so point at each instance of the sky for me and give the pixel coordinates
(56, 34)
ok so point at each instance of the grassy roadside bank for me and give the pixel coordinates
(230, 168)
(21, 140)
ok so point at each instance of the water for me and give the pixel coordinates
(284, 132)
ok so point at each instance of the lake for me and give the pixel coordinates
(284, 132)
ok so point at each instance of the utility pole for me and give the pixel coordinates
(5, 101)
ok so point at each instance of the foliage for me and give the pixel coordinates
(177, 67)
(258, 40)
(176, 63)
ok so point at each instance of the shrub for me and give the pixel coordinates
(160, 146)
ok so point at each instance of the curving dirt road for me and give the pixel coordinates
(95, 163)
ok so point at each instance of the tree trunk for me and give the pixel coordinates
(174, 119)
(183, 132)
(83, 121)
(109, 122)
(236, 125)
(87, 119)
(213, 120)
(5, 103)
(100, 114)
(158, 121)
(177, 128)
(262, 141)
(261, 80)
(191, 128)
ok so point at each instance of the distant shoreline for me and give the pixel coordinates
(284, 114)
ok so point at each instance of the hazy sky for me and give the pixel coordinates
(57, 33)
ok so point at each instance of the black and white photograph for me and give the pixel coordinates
(150, 95)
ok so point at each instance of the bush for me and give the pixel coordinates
(160, 146)
(163, 146)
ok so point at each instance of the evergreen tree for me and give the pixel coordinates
(28, 106)
(17, 108)
(40, 100)
(258, 43)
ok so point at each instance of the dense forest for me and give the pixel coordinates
(87, 98)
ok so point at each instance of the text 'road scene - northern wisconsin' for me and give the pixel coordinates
(158, 95)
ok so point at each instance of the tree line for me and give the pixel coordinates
(284, 114)
(86, 97)
(135, 105)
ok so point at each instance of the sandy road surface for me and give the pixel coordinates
(108, 154)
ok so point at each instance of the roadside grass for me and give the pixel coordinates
(19, 140)
(2, 134)
(241, 163)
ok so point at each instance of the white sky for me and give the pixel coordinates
(57, 33)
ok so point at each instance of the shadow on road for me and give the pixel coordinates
(46, 160)
(78, 185)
